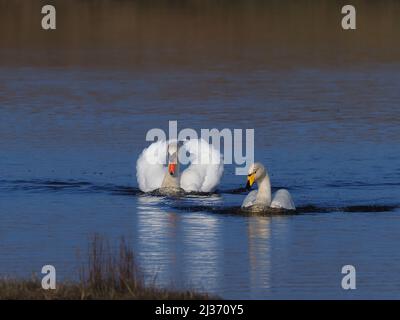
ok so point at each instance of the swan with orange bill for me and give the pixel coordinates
(171, 181)
(261, 200)
(202, 174)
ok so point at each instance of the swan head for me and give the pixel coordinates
(256, 173)
(172, 158)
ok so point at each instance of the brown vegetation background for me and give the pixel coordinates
(200, 33)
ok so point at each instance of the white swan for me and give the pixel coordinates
(261, 199)
(171, 181)
(202, 175)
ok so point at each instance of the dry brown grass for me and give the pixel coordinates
(105, 275)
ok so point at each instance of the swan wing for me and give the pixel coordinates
(150, 169)
(283, 200)
(250, 199)
(206, 167)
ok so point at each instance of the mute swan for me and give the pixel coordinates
(202, 175)
(261, 200)
(171, 181)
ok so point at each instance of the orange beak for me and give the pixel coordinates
(171, 168)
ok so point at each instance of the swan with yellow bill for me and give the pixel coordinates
(262, 199)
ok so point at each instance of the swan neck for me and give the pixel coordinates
(264, 191)
(172, 181)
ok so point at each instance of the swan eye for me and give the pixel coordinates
(250, 174)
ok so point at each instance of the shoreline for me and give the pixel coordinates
(106, 275)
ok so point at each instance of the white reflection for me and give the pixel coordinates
(259, 242)
(157, 240)
(179, 248)
(207, 251)
(201, 242)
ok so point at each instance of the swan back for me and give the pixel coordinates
(250, 199)
(283, 200)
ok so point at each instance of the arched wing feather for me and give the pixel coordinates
(206, 167)
(250, 199)
(150, 169)
(282, 199)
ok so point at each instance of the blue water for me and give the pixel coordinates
(70, 137)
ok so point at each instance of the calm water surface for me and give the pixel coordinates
(70, 137)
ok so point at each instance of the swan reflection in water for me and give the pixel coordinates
(156, 234)
(197, 250)
(179, 248)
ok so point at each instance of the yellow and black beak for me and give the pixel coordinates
(250, 180)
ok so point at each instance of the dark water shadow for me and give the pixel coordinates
(303, 210)
(243, 190)
(68, 186)
(75, 186)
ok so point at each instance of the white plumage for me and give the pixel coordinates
(261, 199)
(202, 175)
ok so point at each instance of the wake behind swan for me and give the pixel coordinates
(158, 167)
